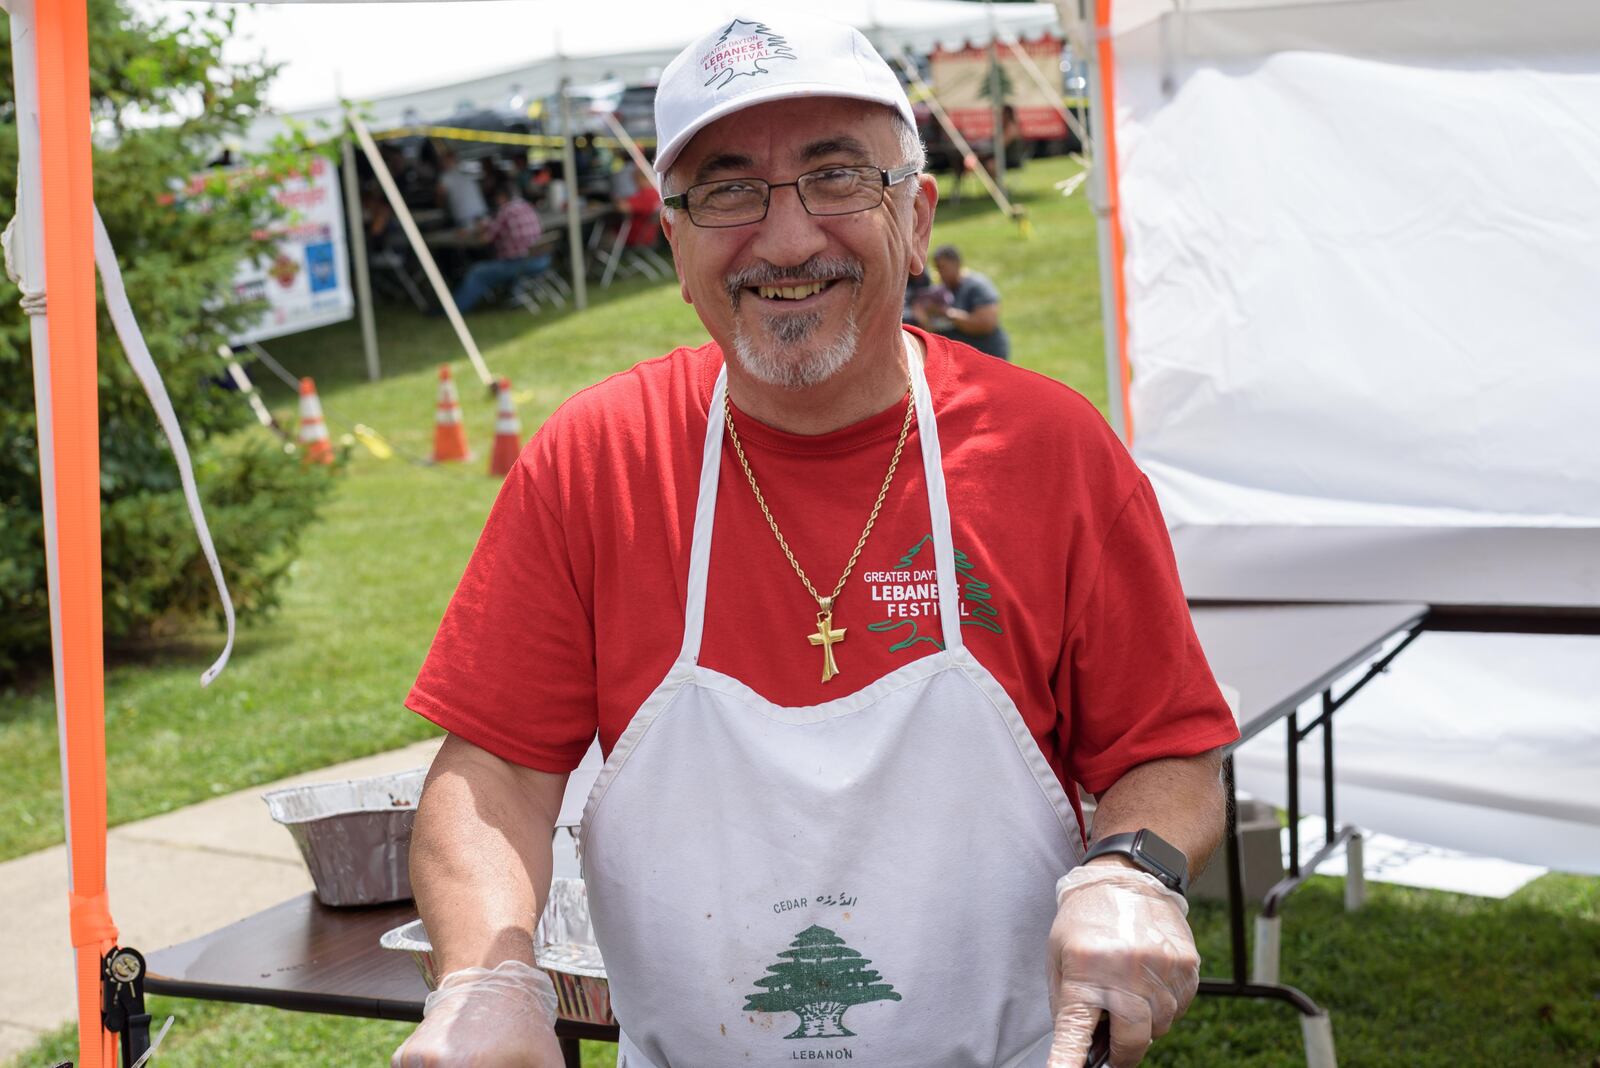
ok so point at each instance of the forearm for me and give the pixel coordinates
(1179, 798)
(481, 856)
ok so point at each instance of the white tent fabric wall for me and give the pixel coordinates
(1363, 247)
(428, 59)
(1486, 743)
(1361, 289)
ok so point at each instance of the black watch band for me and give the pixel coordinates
(1151, 853)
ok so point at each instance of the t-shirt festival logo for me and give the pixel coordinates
(740, 50)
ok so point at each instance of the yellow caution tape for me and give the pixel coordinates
(373, 441)
(494, 137)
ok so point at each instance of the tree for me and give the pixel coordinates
(819, 978)
(163, 104)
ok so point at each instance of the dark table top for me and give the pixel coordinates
(1505, 578)
(305, 956)
(1277, 656)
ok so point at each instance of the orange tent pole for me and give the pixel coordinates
(1106, 156)
(72, 450)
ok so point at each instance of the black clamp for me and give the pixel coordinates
(122, 1001)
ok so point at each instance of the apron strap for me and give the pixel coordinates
(705, 511)
(944, 554)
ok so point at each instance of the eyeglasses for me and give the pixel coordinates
(829, 191)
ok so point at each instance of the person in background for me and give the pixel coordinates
(383, 229)
(459, 191)
(641, 208)
(972, 315)
(625, 180)
(1011, 142)
(513, 231)
(555, 188)
(521, 175)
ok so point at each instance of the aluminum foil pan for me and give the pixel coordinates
(355, 835)
(563, 945)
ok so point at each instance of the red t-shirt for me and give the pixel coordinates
(641, 221)
(571, 610)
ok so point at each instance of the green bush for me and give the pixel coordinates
(164, 102)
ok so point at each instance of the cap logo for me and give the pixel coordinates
(741, 50)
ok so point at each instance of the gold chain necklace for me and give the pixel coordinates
(825, 635)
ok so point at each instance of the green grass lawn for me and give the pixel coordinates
(1416, 979)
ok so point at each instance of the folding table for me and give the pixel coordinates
(1278, 657)
(304, 956)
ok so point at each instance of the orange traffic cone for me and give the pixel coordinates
(313, 431)
(507, 433)
(449, 436)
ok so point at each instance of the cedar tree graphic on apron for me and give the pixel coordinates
(820, 978)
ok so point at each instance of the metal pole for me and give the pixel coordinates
(997, 103)
(1327, 764)
(1100, 198)
(632, 148)
(1235, 873)
(358, 256)
(1294, 793)
(369, 148)
(569, 163)
(943, 118)
(1052, 93)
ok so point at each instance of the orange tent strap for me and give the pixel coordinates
(1106, 155)
(91, 920)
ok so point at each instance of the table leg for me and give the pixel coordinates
(1235, 873)
(1327, 765)
(571, 1054)
(1293, 757)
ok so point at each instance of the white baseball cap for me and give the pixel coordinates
(751, 60)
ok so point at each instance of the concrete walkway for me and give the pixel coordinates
(171, 878)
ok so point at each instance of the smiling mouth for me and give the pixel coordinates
(792, 292)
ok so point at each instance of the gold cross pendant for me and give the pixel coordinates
(826, 636)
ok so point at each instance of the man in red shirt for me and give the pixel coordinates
(513, 232)
(853, 610)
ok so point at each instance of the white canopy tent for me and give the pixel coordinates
(1354, 250)
(427, 60)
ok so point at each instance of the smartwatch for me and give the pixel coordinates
(1150, 853)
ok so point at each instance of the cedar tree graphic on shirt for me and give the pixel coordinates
(973, 595)
(741, 50)
(818, 979)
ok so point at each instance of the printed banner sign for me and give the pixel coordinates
(961, 82)
(306, 280)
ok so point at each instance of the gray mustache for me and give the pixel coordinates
(817, 268)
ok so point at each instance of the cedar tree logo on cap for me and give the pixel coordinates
(740, 51)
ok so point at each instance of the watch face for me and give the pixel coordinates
(1169, 858)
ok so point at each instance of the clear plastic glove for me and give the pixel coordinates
(1120, 944)
(501, 1017)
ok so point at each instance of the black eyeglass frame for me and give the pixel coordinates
(890, 178)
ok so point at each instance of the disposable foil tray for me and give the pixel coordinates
(355, 835)
(563, 946)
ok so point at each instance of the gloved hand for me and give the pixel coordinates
(502, 1017)
(1120, 944)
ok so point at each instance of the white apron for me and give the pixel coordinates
(871, 879)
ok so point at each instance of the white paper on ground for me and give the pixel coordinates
(1387, 859)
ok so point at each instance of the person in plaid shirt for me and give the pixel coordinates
(514, 231)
